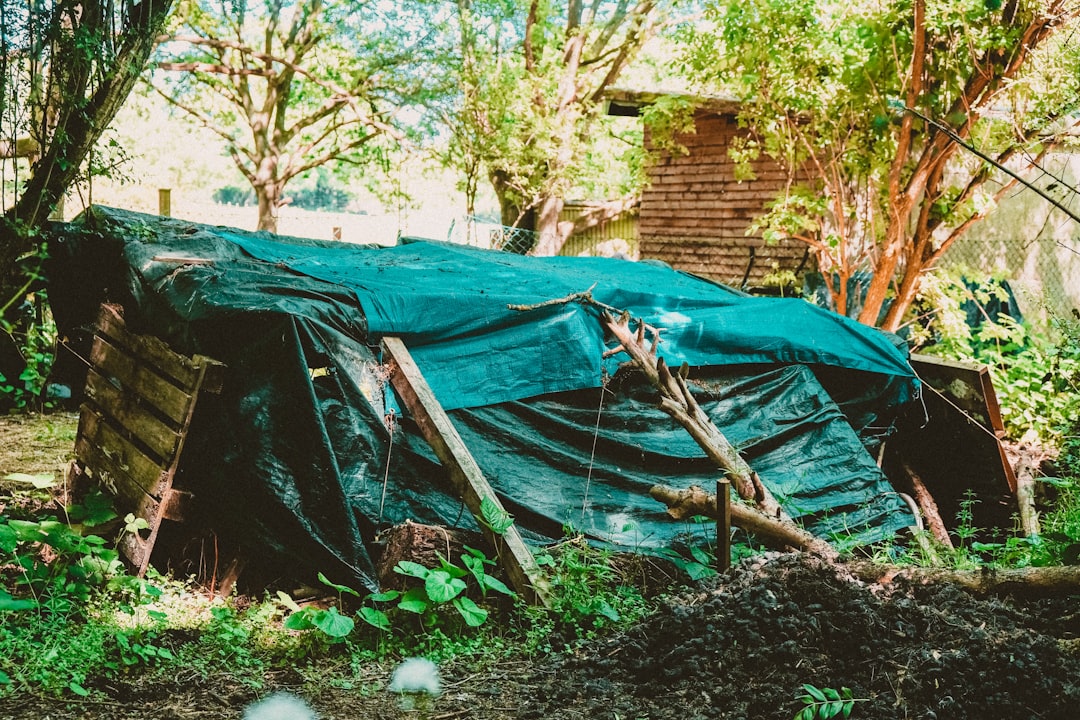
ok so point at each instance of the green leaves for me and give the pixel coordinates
(825, 703)
(494, 517)
(329, 621)
(42, 481)
(441, 587)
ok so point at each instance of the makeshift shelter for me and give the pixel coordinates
(305, 453)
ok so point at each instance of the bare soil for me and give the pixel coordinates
(739, 648)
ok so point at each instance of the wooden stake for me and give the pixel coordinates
(514, 556)
(723, 524)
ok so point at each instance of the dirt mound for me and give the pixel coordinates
(744, 649)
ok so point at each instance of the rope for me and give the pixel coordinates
(389, 419)
(592, 455)
(961, 411)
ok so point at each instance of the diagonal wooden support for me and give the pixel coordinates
(514, 556)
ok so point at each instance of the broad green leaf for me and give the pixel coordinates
(5, 679)
(415, 601)
(388, 596)
(473, 614)
(412, 569)
(11, 604)
(9, 539)
(339, 588)
(807, 713)
(494, 516)
(41, 481)
(287, 601)
(451, 569)
(478, 554)
(814, 692)
(497, 585)
(832, 709)
(333, 623)
(603, 607)
(78, 689)
(441, 587)
(697, 571)
(701, 556)
(298, 621)
(831, 693)
(848, 705)
(375, 618)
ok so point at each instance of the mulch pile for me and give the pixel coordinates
(745, 647)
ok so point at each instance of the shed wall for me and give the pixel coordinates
(694, 212)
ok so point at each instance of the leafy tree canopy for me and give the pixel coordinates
(869, 105)
(292, 85)
(532, 77)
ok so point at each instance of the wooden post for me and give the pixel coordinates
(164, 202)
(335, 232)
(723, 524)
(516, 559)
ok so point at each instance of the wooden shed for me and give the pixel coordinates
(695, 212)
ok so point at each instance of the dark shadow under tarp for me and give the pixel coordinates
(306, 455)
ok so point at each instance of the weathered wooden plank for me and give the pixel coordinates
(151, 350)
(137, 376)
(101, 447)
(127, 410)
(517, 560)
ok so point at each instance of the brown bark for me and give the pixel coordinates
(1026, 459)
(423, 544)
(677, 401)
(928, 507)
(23, 147)
(985, 581)
(695, 501)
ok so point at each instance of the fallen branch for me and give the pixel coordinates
(677, 401)
(929, 509)
(695, 501)
(985, 581)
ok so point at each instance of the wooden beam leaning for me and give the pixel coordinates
(516, 559)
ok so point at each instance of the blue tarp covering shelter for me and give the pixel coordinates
(301, 458)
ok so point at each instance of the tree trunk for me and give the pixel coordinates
(552, 237)
(60, 161)
(511, 212)
(269, 197)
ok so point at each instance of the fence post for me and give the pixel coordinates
(164, 202)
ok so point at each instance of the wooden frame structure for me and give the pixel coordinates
(140, 399)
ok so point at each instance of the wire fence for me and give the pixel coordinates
(1035, 248)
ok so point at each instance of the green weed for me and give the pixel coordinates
(825, 703)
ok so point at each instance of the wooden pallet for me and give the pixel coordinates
(140, 399)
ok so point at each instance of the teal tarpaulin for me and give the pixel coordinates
(302, 461)
(451, 305)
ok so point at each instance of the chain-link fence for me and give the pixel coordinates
(1033, 246)
(470, 230)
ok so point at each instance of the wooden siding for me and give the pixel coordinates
(694, 213)
(616, 236)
